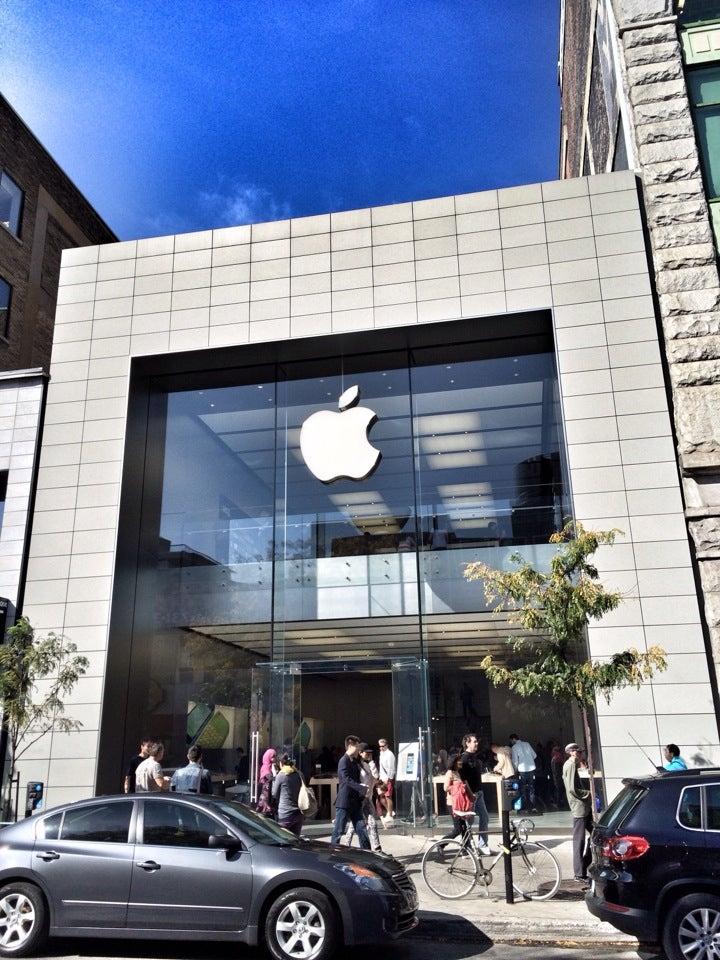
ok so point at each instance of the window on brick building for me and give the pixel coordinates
(11, 198)
(5, 298)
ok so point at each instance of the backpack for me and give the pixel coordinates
(307, 801)
(461, 797)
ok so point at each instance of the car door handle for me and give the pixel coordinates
(48, 855)
(149, 865)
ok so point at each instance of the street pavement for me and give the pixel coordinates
(408, 949)
(484, 913)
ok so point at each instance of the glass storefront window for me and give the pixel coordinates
(488, 468)
(343, 550)
(263, 592)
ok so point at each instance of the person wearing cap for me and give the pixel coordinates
(578, 799)
(369, 776)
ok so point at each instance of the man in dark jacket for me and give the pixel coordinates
(348, 805)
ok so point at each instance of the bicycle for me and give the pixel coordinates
(452, 868)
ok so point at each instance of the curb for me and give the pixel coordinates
(440, 927)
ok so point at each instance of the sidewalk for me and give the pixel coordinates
(484, 914)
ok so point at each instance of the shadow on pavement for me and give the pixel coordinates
(550, 842)
(459, 940)
(570, 890)
(448, 927)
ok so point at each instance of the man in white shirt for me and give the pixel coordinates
(149, 776)
(523, 758)
(387, 778)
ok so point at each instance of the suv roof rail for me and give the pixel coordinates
(674, 774)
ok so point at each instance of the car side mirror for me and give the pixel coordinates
(224, 841)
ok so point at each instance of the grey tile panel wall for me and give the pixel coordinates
(575, 246)
(21, 400)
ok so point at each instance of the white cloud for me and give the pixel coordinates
(239, 203)
(166, 222)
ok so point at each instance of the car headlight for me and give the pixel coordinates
(362, 875)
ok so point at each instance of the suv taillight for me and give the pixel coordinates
(625, 848)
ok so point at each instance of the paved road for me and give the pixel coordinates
(408, 949)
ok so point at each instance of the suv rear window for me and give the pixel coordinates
(621, 806)
(712, 806)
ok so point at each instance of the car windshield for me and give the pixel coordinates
(258, 828)
(621, 806)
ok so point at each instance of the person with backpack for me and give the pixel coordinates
(459, 798)
(285, 792)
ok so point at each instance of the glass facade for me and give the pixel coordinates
(267, 600)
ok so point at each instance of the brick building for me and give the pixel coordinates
(639, 83)
(42, 213)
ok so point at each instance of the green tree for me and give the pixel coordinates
(554, 609)
(35, 675)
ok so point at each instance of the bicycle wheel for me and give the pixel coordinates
(450, 869)
(536, 872)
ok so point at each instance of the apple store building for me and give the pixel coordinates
(275, 449)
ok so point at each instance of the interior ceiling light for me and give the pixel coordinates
(457, 461)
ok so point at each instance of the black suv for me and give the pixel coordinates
(655, 870)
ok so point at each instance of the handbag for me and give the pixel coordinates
(461, 797)
(307, 801)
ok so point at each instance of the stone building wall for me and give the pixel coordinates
(686, 270)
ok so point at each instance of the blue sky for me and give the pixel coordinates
(174, 116)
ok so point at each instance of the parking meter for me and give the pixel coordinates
(34, 797)
(510, 793)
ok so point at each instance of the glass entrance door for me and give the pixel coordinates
(274, 714)
(307, 708)
(414, 785)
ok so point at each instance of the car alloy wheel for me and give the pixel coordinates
(300, 930)
(17, 921)
(699, 934)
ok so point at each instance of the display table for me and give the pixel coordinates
(326, 783)
(487, 778)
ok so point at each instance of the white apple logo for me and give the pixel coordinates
(335, 446)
